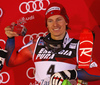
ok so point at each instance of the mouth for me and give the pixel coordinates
(56, 29)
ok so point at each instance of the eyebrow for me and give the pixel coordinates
(56, 18)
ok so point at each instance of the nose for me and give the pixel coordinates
(55, 23)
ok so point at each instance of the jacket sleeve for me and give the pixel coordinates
(92, 73)
(15, 57)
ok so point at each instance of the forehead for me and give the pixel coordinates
(55, 17)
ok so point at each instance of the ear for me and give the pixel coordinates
(66, 23)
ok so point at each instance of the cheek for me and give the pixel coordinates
(49, 26)
(63, 26)
(49, 30)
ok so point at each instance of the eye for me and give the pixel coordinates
(59, 19)
(50, 20)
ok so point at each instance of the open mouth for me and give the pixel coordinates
(56, 29)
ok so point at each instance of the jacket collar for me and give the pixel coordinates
(66, 40)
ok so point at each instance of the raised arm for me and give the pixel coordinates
(15, 57)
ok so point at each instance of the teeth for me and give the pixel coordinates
(56, 29)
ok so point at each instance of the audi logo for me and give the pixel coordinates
(27, 72)
(1, 12)
(2, 80)
(33, 36)
(31, 6)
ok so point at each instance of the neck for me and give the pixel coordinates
(58, 37)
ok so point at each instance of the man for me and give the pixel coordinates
(55, 55)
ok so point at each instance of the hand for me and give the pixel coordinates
(9, 32)
(58, 78)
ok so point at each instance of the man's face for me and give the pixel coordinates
(56, 25)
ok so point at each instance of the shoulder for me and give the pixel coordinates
(75, 40)
(31, 43)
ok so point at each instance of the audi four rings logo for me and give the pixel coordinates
(33, 36)
(2, 78)
(1, 12)
(31, 6)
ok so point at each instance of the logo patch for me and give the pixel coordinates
(44, 54)
(52, 8)
(72, 46)
(93, 64)
(41, 42)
